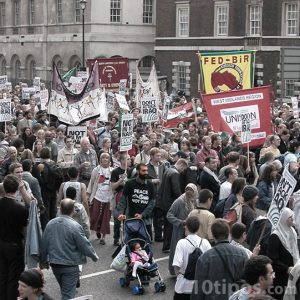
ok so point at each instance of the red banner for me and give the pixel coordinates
(178, 114)
(227, 111)
(111, 71)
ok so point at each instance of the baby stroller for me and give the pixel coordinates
(134, 230)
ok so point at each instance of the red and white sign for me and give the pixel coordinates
(226, 111)
(178, 114)
(111, 71)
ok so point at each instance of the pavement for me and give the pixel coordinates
(99, 280)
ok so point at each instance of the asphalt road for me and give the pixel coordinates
(103, 283)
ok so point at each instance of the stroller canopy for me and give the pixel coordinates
(135, 229)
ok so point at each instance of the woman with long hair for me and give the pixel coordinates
(99, 193)
(37, 148)
(177, 214)
(267, 186)
(27, 137)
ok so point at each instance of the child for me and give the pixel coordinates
(139, 257)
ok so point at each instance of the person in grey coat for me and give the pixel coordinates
(177, 215)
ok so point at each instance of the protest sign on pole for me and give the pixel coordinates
(122, 102)
(27, 92)
(295, 107)
(8, 86)
(284, 190)
(37, 83)
(110, 102)
(77, 132)
(5, 110)
(44, 96)
(166, 108)
(126, 132)
(246, 131)
(149, 108)
(122, 87)
(3, 81)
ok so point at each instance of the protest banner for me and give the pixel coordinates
(227, 71)
(149, 109)
(126, 132)
(84, 75)
(178, 114)
(122, 87)
(295, 107)
(226, 111)
(37, 83)
(282, 195)
(44, 97)
(27, 92)
(3, 81)
(122, 102)
(111, 71)
(5, 110)
(77, 132)
(110, 102)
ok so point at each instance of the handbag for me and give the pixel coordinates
(119, 263)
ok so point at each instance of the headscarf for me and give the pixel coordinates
(287, 235)
(191, 203)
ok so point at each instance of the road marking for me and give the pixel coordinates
(111, 270)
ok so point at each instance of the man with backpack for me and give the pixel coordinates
(187, 252)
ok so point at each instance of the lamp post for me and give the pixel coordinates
(83, 6)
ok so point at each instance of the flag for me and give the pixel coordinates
(74, 108)
(69, 74)
(227, 71)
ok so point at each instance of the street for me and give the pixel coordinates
(103, 283)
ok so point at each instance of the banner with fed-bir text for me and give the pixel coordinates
(226, 112)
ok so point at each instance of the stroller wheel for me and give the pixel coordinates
(138, 290)
(162, 286)
(157, 287)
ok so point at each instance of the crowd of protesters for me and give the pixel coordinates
(191, 178)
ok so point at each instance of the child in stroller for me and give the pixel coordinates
(139, 257)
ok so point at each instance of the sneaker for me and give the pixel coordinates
(102, 242)
(98, 235)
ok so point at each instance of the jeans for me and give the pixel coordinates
(67, 277)
(117, 228)
(11, 267)
(158, 222)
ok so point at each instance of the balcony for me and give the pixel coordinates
(252, 42)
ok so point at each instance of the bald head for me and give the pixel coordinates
(67, 206)
(85, 144)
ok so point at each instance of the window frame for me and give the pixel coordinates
(250, 20)
(148, 11)
(219, 5)
(286, 19)
(115, 18)
(179, 31)
(2, 14)
(31, 12)
(17, 16)
(290, 82)
(77, 11)
(59, 11)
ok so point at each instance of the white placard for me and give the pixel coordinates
(246, 131)
(77, 132)
(149, 109)
(5, 110)
(122, 102)
(126, 132)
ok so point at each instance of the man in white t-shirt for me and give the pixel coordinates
(225, 189)
(183, 286)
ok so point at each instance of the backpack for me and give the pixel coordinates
(219, 208)
(234, 214)
(192, 261)
(52, 177)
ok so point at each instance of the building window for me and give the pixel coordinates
(60, 67)
(77, 11)
(115, 11)
(181, 76)
(289, 87)
(3, 67)
(17, 20)
(147, 11)
(221, 18)
(32, 69)
(31, 12)
(2, 14)
(183, 20)
(291, 16)
(146, 62)
(18, 70)
(59, 11)
(254, 20)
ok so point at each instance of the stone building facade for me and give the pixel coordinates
(36, 33)
(185, 27)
